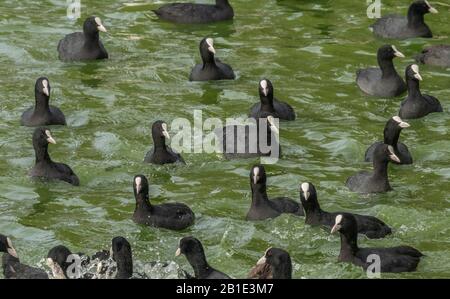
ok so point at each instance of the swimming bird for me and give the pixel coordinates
(84, 45)
(370, 226)
(274, 264)
(376, 181)
(192, 248)
(175, 216)
(268, 103)
(438, 55)
(12, 267)
(393, 259)
(191, 13)
(391, 135)
(383, 81)
(64, 264)
(44, 167)
(211, 68)
(161, 153)
(257, 138)
(399, 27)
(416, 104)
(262, 207)
(42, 114)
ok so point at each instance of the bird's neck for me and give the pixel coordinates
(223, 4)
(380, 169)
(125, 268)
(259, 194)
(91, 40)
(143, 202)
(267, 104)
(415, 19)
(349, 245)
(387, 67)
(199, 264)
(391, 138)
(41, 103)
(41, 153)
(413, 88)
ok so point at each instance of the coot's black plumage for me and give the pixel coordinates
(12, 267)
(123, 256)
(175, 216)
(161, 153)
(394, 259)
(269, 104)
(438, 55)
(84, 45)
(262, 207)
(42, 114)
(275, 264)
(244, 140)
(383, 81)
(370, 226)
(191, 13)
(44, 167)
(399, 27)
(376, 181)
(416, 104)
(211, 68)
(59, 259)
(391, 135)
(192, 248)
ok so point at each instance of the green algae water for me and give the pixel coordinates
(310, 50)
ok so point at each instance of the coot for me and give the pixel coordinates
(84, 45)
(12, 267)
(175, 216)
(391, 134)
(370, 226)
(260, 137)
(376, 181)
(383, 81)
(416, 104)
(399, 27)
(268, 103)
(190, 13)
(438, 55)
(42, 114)
(275, 264)
(192, 248)
(262, 207)
(394, 259)
(44, 167)
(161, 153)
(211, 68)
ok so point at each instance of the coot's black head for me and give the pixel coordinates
(160, 133)
(140, 187)
(393, 128)
(345, 224)
(207, 50)
(42, 88)
(389, 52)
(308, 196)
(59, 259)
(265, 89)
(280, 262)
(412, 73)
(6, 246)
(421, 7)
(92, 26)
(42, 137)
(385, 153)
(190, 246)
(122, 255)
(258, 176)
